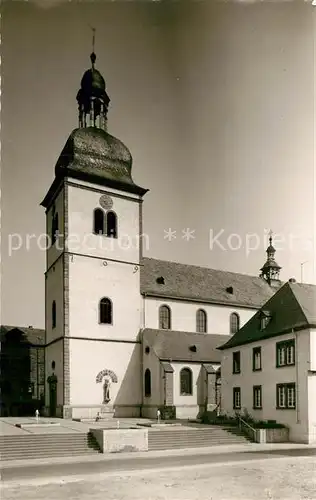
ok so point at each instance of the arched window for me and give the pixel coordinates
(234, 323)
(105, 311)
(164, 318)
(54, 227)
(147, 383)
(201, 326)
(186, 386)
(54, 314)
(111, 224)
(98, 221)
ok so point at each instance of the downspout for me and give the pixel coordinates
(144, 311)
(142, 355)
(296, 384)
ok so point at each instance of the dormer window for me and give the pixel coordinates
(160, 280)
(230, 290)
(264, 322)
(264, 319)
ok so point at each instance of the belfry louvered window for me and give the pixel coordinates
(98, 221)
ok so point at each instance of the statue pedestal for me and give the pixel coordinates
(105, 413)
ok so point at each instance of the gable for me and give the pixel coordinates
(292, 308)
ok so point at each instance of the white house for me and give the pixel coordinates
(268, 367)
(106, 304)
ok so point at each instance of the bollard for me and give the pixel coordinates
(37, 416)
(158, 416)
(118, 424)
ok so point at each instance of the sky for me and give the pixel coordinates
(215, 101)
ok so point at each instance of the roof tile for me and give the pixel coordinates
(175, 345)
(202, 284)
(35, 336)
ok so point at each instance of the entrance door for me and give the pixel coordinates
(52, 400)
(52, 383)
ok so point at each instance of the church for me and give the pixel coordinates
(127, 335)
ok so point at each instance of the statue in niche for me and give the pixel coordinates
(107, 377)
(106, 391)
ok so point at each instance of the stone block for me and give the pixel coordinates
(121, 440)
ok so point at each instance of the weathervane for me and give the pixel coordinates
(93, 56)
(93, 38)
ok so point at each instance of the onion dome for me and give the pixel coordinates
(93, 101)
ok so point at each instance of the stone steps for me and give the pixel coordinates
(32, 446)
(193, 438)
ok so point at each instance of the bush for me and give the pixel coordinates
(268, 425)
(168, 412)
(247, 417)
(211, 419)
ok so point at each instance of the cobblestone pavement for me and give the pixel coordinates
(288, 478)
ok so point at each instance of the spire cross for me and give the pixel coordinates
(270, 236)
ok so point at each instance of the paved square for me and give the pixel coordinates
(275, 478)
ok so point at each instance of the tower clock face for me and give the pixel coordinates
(106, 202)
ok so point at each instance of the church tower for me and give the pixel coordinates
(92, 280)
(271, 270)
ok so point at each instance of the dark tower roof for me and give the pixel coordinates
(91, 154)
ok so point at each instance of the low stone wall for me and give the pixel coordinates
(277, 435)
(121, 440)
(149, 411)
(45, 412)
(311, 438)
(131, 411)
(91, 411)
(280, 435)
(187, 411)
(32, 425)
